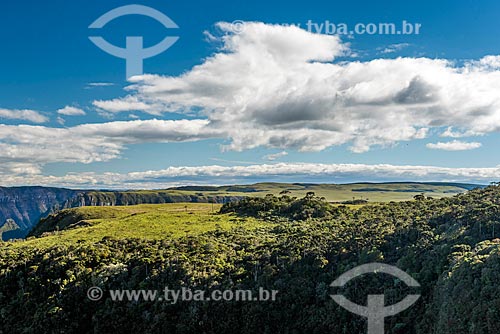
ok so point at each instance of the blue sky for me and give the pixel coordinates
(49, 64)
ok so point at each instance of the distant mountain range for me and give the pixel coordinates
(22, 207)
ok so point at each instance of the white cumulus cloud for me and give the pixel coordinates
(37, 146)
(283, 87)
(279, 87)
(24, 114)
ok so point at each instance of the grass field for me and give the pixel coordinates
(373, 192)
(147, 221)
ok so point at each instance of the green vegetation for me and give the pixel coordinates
(373, 192)
(25, 206)
(147, 221)
(297, 246)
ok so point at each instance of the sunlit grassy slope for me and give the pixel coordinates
(374, 192)
(148, 221)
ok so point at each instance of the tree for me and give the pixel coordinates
(310, 194)
(419, 197)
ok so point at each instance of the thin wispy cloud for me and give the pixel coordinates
(393, 48)
(98, 84)
(71, 111)
(240, 162)
(455, 145)
(275, 156)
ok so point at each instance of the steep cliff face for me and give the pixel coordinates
(24, 206)
(119, 198)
